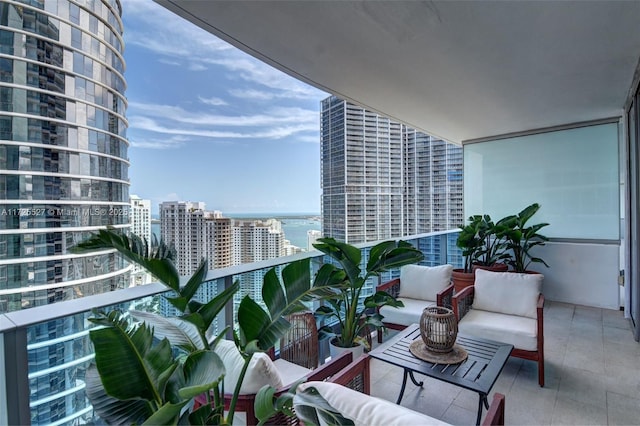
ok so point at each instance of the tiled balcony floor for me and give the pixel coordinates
(592, 367)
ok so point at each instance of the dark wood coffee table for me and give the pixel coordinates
(477, 373)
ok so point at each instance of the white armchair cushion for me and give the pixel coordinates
(507, 292)
(409, 314)
(367, 410)
(261, 369)
(519, 331)
(424, 282)
(290, 372)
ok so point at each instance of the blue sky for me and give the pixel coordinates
(210, 123)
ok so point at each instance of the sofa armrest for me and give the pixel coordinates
(495, 414)
(356, 375)
(445, 297)
(392, 287)
(462, 302)
(331, 368)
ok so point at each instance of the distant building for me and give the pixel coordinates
(289, 249)
(256, 240)
(312, 237)
(182, 226)
(381, 179)
(140, 215)
(218, 240)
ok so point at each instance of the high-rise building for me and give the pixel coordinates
(182, 226)
(63, 174)
(63, 149)
(218, 236)
(382, 179)
(140, 215)
(256, 240)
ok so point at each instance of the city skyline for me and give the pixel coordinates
(210, 123)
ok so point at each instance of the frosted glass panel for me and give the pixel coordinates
(573, 174)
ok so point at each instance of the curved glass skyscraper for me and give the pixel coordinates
(63, 148)
(63, 174)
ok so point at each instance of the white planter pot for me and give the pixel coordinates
(334, 351)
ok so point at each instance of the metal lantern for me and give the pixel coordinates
(438, 328)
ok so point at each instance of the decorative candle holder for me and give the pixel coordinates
(438, 328)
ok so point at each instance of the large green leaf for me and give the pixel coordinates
(179, 332)
(347, 255)
(313, 409)
(187, 292)
(389, 255)
(127, 363)
(167, 414)
(273, 294)
(203, 370)
(111, 410)
(159, 263)
(257, 325)
(297, 279)
(211, 309)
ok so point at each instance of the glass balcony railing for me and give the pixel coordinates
(45, 351)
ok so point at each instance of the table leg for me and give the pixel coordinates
(482, 400)
(404, 383)
(413, 379)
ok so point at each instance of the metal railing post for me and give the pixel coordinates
(16, 382)
(228, 309)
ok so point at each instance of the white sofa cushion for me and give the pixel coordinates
(507, 292)
(519, 331)
(261, 369)
(290, 372)
(424, 282)
(409, 314)
(367, 410)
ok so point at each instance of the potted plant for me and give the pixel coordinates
(520, 238)
(353, 315)
(470, 244)
(137, 378)
(492, 253)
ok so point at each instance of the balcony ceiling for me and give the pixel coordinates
(458, 70)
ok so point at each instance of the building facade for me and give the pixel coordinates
(63, 175)
(256, 240)
(381, 179)
(182, 226)
(140, 216)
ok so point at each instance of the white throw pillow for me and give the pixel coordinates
(261, 369)
(507, 292)
(424, 282)
(367, 410)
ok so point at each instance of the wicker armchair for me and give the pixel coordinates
(300, 344)
(417, 287)
(506, 307)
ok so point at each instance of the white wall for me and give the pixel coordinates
(583, 274)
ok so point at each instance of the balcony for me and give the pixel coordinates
(591, 357)
(591, 370)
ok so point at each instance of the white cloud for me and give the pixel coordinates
(252, 94)
(271, 117)
(182, 43)
(151, 125)
(158, 143)
(212, 101)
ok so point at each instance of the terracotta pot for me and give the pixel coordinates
(496, 267)
(462, 279)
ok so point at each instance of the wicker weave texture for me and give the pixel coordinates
(300, 344)
(438, 328)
